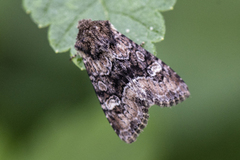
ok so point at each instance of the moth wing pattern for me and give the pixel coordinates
(127, 79)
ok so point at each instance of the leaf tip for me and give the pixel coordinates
(28, 11)
(40, 26)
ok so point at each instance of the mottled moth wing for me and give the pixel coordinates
(127, 79)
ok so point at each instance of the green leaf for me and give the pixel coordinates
(139, 20)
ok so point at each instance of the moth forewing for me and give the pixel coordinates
(127, 78)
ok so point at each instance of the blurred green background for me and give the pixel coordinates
(48, 108)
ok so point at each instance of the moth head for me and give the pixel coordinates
(94, 37)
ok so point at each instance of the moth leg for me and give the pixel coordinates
(74, 56)
(142, 44)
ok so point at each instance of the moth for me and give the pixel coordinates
(127, 79)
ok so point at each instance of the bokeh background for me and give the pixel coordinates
(48, 108)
